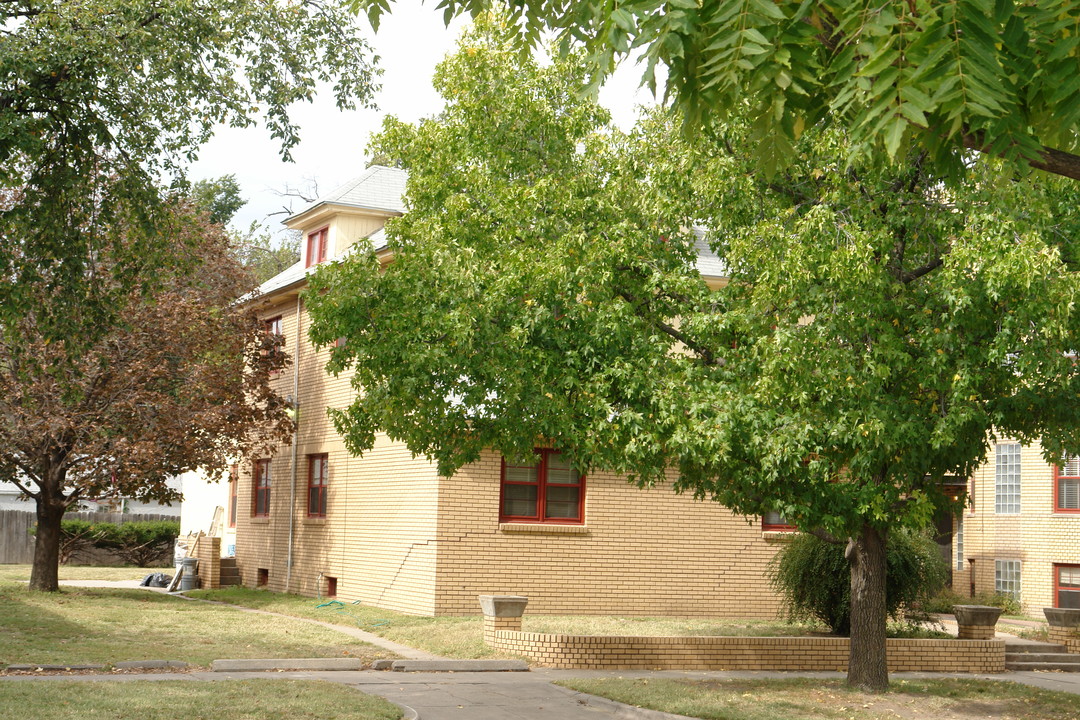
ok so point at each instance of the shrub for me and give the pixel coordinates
(142, 543)
(943, 602)
(814, 579)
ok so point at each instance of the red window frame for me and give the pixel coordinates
(1058, 477)
(316, 246)
(778, 525)
(234, 481)
(541, 484)
(1058, 587)
(260, 489)
(318, 479)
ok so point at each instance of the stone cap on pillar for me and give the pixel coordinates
(503, 606)
(1063, 617)
(976, 614)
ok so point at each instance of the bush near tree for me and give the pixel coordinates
(814, 578)
(146, 543)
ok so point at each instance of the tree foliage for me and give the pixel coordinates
(878, 329)
(100, 100)
(263, 255)
(814, 577)
(998, 76)
(179, 382)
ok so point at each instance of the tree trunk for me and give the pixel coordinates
(51, 506)
(867, 667)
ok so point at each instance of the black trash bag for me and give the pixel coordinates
(156, 580)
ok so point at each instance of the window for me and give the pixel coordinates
(548, 491)
(260, 496)
(1007, 578)
(331, 587)
(317, 468)
(316, 247)
(1067, 485)
(275, 339)
(234, 478)
(262, 577)
(1007, 479)
(958, 540)
(1067, 586)
(776, 522)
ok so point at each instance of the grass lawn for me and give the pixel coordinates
(90, 625)
(172, 699)
(21, 573)
(461, 637)
(812, 699)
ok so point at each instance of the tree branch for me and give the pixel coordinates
(1057, 162)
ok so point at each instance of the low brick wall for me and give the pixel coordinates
(588, 652)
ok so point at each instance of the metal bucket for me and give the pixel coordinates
(190, 579)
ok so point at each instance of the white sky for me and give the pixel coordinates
(411, 41)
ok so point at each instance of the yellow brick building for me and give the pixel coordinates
(1021, 533)
(387, 530)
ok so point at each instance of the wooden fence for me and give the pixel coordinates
(17, 544)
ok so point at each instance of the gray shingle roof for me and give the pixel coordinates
(377, 188)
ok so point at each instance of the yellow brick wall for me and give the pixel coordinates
(378, 537)
(743, 653)
(208, 551)
(1037, 536)
(642, 552)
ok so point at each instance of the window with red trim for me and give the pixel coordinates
(1067, 586)
(234, 478)
(775, 522)
(548, 490)
(1067, 485)
(260, 489)
(316, 247)
(318, 474)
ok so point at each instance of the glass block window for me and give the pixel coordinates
(1007, 479)
(1007, 578)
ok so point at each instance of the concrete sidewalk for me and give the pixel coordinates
(524, 696)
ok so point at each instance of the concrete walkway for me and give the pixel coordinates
(521, 696)
(504, 696)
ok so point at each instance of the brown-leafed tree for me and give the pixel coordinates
(179, 380)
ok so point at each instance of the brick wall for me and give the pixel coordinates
(643, 552)
(743, 653)
(208, 551)
(378, 538)
(1065, 636)
(1037, 536)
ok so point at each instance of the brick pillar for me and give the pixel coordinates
(1064, 627)
(976, 622)
(501, 612)
(208, 550)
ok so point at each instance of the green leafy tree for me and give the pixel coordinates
(813, 578)
(998, 77)
(219, 198)
(878, 327)
(102, 101)
(262, 254)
